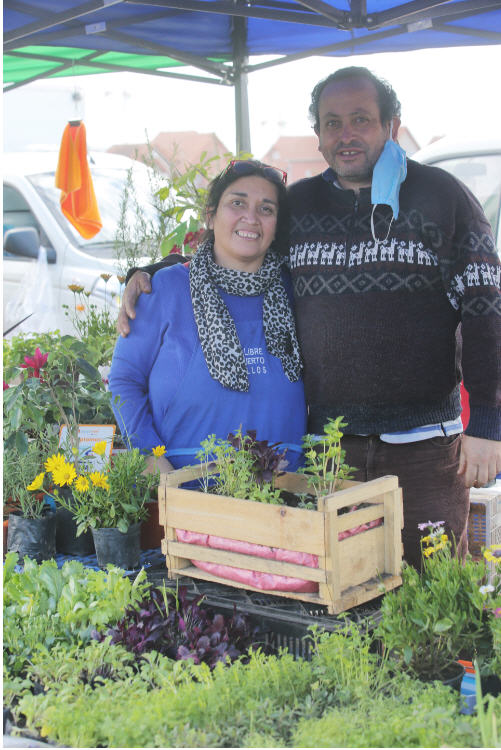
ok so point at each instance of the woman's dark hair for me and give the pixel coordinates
(389, 106)
(251, 168)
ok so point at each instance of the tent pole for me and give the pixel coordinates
(240, 60)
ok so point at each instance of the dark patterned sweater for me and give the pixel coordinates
(380, 323)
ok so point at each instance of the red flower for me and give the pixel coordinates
(176, 249)
(193, 238)
(5, 385)
(36, 362)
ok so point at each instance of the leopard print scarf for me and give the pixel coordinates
(216, 328)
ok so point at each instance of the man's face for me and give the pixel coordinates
(351, 135)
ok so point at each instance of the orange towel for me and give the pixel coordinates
(78, 201)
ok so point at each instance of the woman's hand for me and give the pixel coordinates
(140, 283)
(161, 464)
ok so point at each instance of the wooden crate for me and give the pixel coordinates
(351, 571)
(484, 522)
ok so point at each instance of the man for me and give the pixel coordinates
(381, 302)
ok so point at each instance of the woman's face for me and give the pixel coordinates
(244, 223)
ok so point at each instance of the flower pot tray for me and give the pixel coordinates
(351, 570)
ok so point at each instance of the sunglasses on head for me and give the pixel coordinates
(242, 168)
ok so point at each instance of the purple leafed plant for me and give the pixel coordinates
(269, 462)
(181, 629)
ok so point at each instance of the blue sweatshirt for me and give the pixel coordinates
(167, 396)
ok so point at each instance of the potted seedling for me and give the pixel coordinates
(110, 502)
(439, 615)
(31, 519)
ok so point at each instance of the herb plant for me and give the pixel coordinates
(18, 470)
(242, 467)
(325, 467)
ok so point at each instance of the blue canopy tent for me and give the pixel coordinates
(54, 38)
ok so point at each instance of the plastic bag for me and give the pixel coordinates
(37, 299)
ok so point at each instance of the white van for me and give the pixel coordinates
(32, 217)
(477, 163)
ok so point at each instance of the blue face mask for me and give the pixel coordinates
(389, 172)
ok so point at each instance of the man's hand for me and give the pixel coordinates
(140, 283)
(480, 460)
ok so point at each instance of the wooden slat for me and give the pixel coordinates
(363, 492)
(393, 531)
(361, 557)
(161, 504)
(357, 517)
(272, 525)
(194, 572)
(247, 562)
(180, 476)
(333, 561)
(356, 595)
(292, 482)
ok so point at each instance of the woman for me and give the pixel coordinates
(213, 347)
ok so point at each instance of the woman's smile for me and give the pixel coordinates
(244, 223)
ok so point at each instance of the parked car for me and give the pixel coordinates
(477, 164)
(32, 218)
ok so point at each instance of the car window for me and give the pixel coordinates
(482, 174)
(17, 214)
(109, 186)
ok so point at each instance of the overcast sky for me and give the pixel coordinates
(452, 91)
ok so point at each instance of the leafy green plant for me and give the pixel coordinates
(488, 709)
(184, 200)
(325, 467)
(242, 467)
(412, 714)
(18, 471)
(60, 386)
(44, 604)
(95, 326)
(435, 617)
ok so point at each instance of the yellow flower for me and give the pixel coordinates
(100, 447)
(75, 288)
(99, 480)
(493, 553)
(428, 551)
(37, 483)
(426, 539)
(80, 308)
(444, 538)
(55, 462)
(106, 277)
(121, 279)
(64, 474)
(158, 451)
(82, 484)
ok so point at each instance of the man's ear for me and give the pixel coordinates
(396, 124)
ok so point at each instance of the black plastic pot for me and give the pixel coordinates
(32, 537)
(115, 547)
(452, 676)
(67, 540)
(491, 685)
